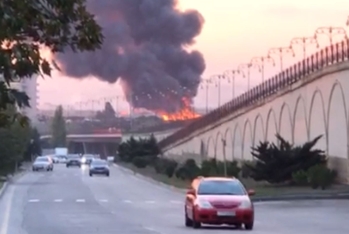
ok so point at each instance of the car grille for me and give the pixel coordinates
(225, 204)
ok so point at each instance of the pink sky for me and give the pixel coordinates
(234, 32)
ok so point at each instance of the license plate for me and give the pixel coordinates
(226, 213)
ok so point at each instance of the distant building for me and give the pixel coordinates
(30, 87)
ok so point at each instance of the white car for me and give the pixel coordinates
(43, 163)
(62, 159)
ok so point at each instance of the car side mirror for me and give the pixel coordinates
(191, 192)
(251, 192)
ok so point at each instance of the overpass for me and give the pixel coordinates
(302, 102)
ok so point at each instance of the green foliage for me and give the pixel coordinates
(165, 166)
(58, 128)
(30, 26)
(139, 148)
(34, 147)
(188, 170)
(140, 162)
(321, 176)
(300, 177)
(14, 142)
(276, 163)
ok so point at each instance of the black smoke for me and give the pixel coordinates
(145, 46)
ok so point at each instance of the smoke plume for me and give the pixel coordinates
(145, 46)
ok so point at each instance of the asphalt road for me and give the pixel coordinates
(68, 201)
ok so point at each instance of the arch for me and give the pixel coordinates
(336, 120)
(237, 142)
(269, 127)
(218, 146)
(300, 122)
(285, 123)
(258, 135)
(210, 147)
(229, 150)
(247, 143)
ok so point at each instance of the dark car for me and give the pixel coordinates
(73, 160)
(99, 166)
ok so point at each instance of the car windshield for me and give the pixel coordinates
(99, 163)
(221, 187)
(42, 159)
(88, 156)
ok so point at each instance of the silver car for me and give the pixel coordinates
(42, 163)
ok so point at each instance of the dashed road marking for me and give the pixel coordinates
(103, 200)
(127, 201)
(34, 200)
(58, 200)
(150, 202)
(80, 200)
(176, 202)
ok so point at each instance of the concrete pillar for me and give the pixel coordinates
(84, 146)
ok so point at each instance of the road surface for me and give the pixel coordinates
(68, 201)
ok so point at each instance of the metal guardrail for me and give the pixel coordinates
(330, 55)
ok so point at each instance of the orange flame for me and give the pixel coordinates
(186, 113)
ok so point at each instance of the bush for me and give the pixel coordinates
(321, 176)
(275, 164)
(246, 171)
(140, 162)
(188, 171)
(300, 177)
(233, 168)
(165, 166)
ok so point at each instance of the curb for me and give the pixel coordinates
(256, 199)
(3, 188)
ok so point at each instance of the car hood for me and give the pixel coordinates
(221, 200)
(41, 163)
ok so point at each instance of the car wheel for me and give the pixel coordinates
(107, 174)
(249, 226)
(34, 169)
(196, 224)
(188, 222)
(238, 226)
(91, 174)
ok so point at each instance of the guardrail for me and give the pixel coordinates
(333, 54)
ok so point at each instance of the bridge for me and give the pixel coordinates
(306, 100)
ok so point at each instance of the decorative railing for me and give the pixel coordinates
(330, 55)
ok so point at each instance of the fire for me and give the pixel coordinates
(184, 114)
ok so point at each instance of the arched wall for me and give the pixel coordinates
(318, 108)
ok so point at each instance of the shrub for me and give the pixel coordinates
(300, 177)
(188, 171)
(246, 169)
(140, 162)
(233, 168)
(321, 176)
(165, 166)
(275, 164)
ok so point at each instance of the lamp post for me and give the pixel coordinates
(247, 66)
(231, 79)
(204, 85)
(280, 51)
(218, 78)
(330, 32)
(224, 143)
(304, 42)
(262, 61)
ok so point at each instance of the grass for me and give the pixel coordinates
(261, 189)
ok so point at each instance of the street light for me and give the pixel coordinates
(280, 51)
(304, 42)
(232, 73)
(204, 85)
(347, 23)
(218, 84)
(330, 32)
(247, 66)
(262, 60)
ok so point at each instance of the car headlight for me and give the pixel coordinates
(246, 204)
(83, 160)
(203, 204)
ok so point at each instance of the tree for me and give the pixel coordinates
(31, 26)
(34, 146)
(14, 141)
(59, 132)
(276, 163)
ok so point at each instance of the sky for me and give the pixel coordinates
(234, 32)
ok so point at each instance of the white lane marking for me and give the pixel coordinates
(6, 221)
(150, 202)
(58, 200)
(176, 202)
(34, 200)
(103, 200)
(127, 201)
(151, 229)
(80, 200)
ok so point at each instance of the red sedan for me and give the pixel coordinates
(218, 201)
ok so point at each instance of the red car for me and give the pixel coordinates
(218, 201)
